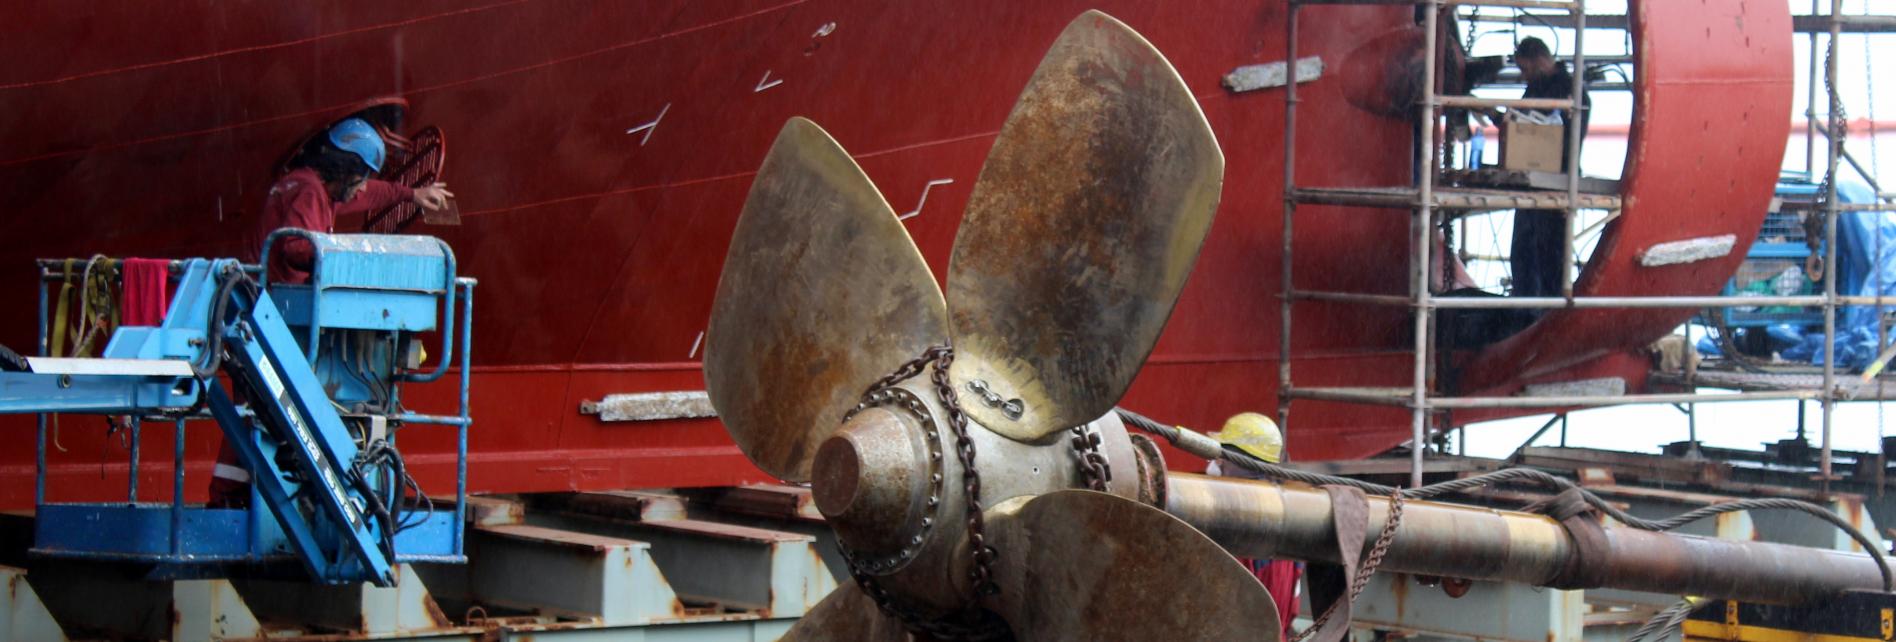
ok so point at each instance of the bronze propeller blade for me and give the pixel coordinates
(846, 614)
(822, 293)
(1080, 232)
(1082, 565)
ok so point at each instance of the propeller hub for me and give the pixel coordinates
(871, 477)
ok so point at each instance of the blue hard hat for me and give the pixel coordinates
(357, 136)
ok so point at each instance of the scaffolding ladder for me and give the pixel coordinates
(1428, 204)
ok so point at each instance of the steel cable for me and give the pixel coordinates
(1664, 622)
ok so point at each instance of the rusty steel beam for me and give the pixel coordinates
(1262, 519)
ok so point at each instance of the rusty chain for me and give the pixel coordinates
(1367, 570)
(1383, 540)
(973, 623)
(983, 555)
(1094, 470)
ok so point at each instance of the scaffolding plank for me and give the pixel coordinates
(1791, 206)
(1848, 387)
(1483, 102)
(1491, 177)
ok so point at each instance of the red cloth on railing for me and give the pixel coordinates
(144, 292)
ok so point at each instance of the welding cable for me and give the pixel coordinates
(214, 338)
(366, 462)
(1249, 462)
(379, 456)
(11, 361)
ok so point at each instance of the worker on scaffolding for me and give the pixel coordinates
(329, 177)
(1540, 235)
(1257, 436)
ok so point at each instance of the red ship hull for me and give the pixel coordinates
(151, 130)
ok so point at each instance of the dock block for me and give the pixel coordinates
(361, 608)
(210, 610)
(770, 573)
(22, 615)
(610, 580)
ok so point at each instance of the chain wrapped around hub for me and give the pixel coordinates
(974, 623)
(1094, 470)
(983, 572)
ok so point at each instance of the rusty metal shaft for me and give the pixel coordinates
(1264, 519)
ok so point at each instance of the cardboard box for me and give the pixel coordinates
(1530, 144)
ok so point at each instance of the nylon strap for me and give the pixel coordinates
(1330, 583)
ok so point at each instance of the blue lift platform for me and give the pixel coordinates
(305, 382)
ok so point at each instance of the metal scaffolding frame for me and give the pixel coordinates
(1426, 203)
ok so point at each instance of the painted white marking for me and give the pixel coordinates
(924, 200)
(650, 127)
(651, 406)
(766, 82)
(1602, 387)
(220, 209)
(1271, 74)
(827, 29)
(110, 367)
(233, 473)
(1688, 250)
(694, 345)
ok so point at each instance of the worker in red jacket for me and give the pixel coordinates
(1258, 436)
(330, 177)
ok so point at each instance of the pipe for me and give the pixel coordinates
(177, 488)
(1290, 216)
(1263, 519)
(1830, 242)
(39, 420)
(131, 477)
(1810, 108)
(1576, 122)
(1424, 225)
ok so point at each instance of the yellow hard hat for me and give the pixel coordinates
(1255, 434)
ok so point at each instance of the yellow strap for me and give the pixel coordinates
(101, 310)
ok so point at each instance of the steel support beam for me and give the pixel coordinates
(1489, 611)
(403, 608)
(210, 610)
(770, 572)
(22, 616)
(604, 580)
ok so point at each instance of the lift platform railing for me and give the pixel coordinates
(177, 537)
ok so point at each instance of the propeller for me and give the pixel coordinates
(1092, 566)
(822, 292)
(1080, 232)
(846, 614)
(1077, 240)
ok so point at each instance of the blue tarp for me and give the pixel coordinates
(1861, 236)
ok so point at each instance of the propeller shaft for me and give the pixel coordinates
(1265, 519)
